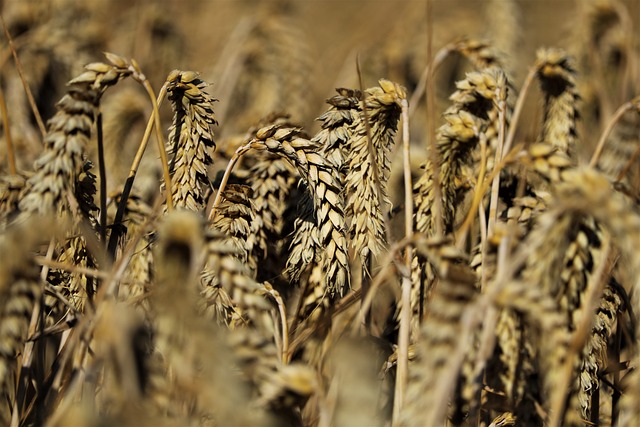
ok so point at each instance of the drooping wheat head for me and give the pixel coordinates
(190, 139)
(367, 198)
(69, 132)
(558, 83)
(323, 184)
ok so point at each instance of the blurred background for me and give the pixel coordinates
(288, 56)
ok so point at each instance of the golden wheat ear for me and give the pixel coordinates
(556, 74)
(20, 289)
(11, 187)
(273, 181)
(368, 167)
(436, 372)
(234, 217)
(190, 139)
(68, 135)
(322, 180)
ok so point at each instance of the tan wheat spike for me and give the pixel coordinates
(550, 337)
(140, 267)
(594, 358)
(435, 373)
(457, 137)
(481, 54)
(234, 218)
(67, 137)
(323, 184)
(336, 126)
(620, 147)
(10, 188)
(504, 21)
(229, 293)
(333, 139)
(198, 354)
(272, 179)
(190, 139)
(558, 83)
(465, 121)
(19, 289)
(590, 192)
(176, 253)
(566, 275)
(368, 172)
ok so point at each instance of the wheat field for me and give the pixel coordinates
(319, 213)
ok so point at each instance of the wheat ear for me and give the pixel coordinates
(19, 290)
(556, 74)
(435, 373)
(368, 171)
(67, 137)
(235, 217)
(190, 139)
(272, 179)
(323, 183)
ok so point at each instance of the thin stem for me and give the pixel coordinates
(118, 230)
(402, 373)
(495, 184)
(517, 111)
(27, 89)
(11, 156)
(429, 71)
(284, 355)
(161, 146)
(480, 189)
(627, 106)
(627, 166)
(103, 181)
(90, 272)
